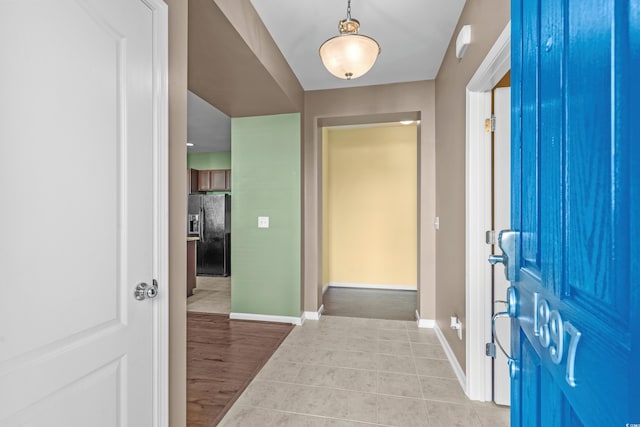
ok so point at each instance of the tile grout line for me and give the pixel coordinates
(282, 411)
(415, 365)
(348, 390)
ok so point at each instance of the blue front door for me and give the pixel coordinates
(576, 206)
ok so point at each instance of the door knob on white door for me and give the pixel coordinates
(144, 291)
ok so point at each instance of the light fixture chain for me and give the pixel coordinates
(349, 10)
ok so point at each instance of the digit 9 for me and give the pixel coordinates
(551, 331)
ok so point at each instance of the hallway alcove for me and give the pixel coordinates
(369, 209)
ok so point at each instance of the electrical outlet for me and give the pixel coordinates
(436, 223)
(456, 325)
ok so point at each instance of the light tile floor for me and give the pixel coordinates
(211, 295)
(342, 371)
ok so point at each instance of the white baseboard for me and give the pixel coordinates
(267, 318)
(371, 286)
(424, 323)
(462, 379)
(324, 288)
(313, 315)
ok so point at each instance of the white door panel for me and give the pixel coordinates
(95, 396)
(77, 219)
(502, 221)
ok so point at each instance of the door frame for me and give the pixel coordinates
(479, 302)
(160, 362)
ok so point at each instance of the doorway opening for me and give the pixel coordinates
(369, 220)
(208, 208)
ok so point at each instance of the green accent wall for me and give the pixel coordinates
(214, 160)
(265, 172)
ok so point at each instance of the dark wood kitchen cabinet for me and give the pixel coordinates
(192, 247)
(218, 180)
(192, 181)
(214, 180)
(204, 180)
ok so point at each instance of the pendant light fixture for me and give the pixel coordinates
(349, 55)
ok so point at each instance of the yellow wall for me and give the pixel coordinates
(325, 206)
(370, 227)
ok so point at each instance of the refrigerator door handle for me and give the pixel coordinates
(200, 233)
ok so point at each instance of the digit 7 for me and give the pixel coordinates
(571, 356)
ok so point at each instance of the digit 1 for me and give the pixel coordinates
(536, 314)
(571, 355)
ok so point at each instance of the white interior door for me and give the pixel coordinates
(502, 221)
(78, 216)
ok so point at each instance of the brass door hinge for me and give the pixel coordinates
(490, 124)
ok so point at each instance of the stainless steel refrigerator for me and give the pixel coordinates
(209, 218)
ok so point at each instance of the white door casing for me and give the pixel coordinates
(83, 151)
(479, 374)
(501, 221)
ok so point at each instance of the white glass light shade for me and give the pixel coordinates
(349, 56)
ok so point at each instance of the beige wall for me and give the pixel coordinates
(235, 65)
(362, 105)
(487, 19)
(370, 205)
(177, 212)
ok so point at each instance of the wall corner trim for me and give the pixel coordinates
(424, 323)
(313, 315)
(462, 379)
(267, 318)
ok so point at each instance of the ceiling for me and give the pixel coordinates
(208, 129)
(413, 35)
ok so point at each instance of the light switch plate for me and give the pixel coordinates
(263, 222)
(436, 223)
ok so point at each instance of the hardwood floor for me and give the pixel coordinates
(370, 303)
(223, 356)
